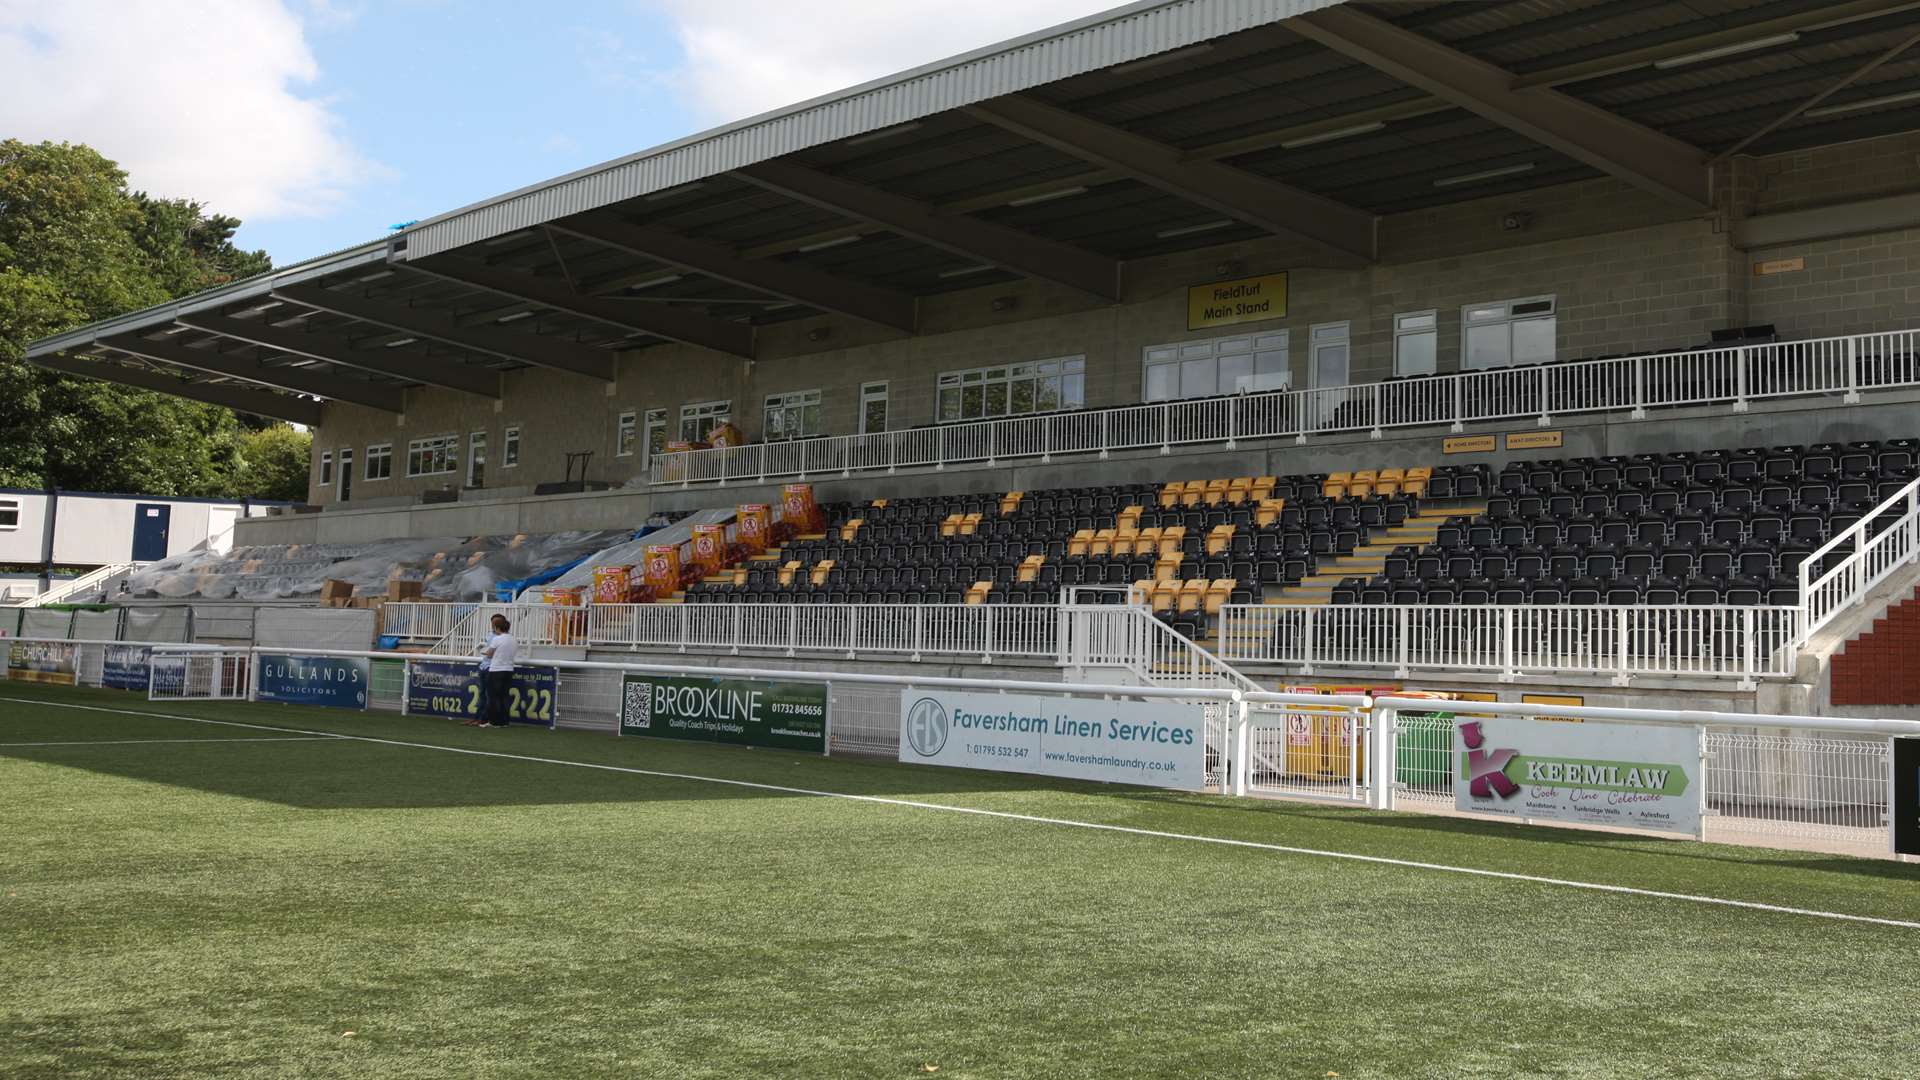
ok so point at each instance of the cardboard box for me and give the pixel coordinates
(332, 589)
(399, 589)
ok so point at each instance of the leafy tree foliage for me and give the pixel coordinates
(273, 463)
(77, 246)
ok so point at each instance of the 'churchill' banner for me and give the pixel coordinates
(1156, 744)
(42, 662)
(751, 712)
(1625, 775)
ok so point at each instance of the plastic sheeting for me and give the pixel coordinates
(634, 551)
(450, 568)
(95, 625)
(45, 623)
(348, 629)
(156, 624)
(10, 622)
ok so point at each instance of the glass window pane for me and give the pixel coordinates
(1533, 341)
(1047, 397)
(1162, 384)
(996, 401)
(1023, 399)
(950, 403)
(970, 402)
(1199, 378)
(810, 421)
(1073, 391)
(1486, 346)
(876, 418)
(1414, 354)
(1236, 373)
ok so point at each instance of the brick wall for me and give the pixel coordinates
(1882, 666)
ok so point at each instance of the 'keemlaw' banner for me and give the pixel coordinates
(1155, 744)
(1629, 776)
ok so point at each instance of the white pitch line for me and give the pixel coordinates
(1377, 860)
(143, 742)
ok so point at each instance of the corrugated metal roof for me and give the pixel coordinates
(1116, 37)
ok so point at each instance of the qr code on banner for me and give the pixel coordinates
(637, 712)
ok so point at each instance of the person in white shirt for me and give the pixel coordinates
(496, 675)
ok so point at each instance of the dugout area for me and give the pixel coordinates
(319, 893)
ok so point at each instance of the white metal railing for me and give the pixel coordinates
(1737, 375)
(1879, 544)
(421, 620)
(1744, 643)
(533, 624)
(102, 579)
(986, 631)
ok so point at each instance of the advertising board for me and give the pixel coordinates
(1625, 775)
(338, 682)
(748, 712)
(1155, 743)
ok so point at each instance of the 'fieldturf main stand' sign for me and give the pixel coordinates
(750, 712)
(337, 681)
(1155, 744)
(1624, 775)
(440, 688)
(127, 667)
(41, 662)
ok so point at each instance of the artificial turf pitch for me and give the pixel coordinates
(264, 907)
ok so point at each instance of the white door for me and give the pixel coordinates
(1331, 368)
(477, 460)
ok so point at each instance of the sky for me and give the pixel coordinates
(322, 123)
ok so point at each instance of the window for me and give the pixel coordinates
(477, 460)
(1507, 332)
(9, 514)
(431, 457)
(1234, 365)
(624, 436)
(1416, 342)
(697, 420)
(346, 473)
(510, 448)
(380, 462)
(873, 408)
(792, 416)
(1013, 389)
(656, 432)
(326, 467)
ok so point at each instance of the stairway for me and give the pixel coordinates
(1369, 559)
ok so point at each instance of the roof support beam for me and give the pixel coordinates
(402, 363)
(788, 281)
(1639, 155)
(657, 320)
(385, 398)
(517, 346)
(1340, 235)
(257, 402)
(972, 238)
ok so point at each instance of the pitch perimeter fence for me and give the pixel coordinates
(1799, 781)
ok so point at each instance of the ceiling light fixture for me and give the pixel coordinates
(1163, 58)
(1486, 174)
(1726, 50)
(1189, 230)
(1330, 136)
(515, 317)
(653, 283)
(884, 133)
(1864, 103)
(965, 270)
(825, 244)
(375, 276)
(1048, 196)
(402, 341)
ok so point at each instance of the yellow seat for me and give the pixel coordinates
(950, 526)
(970, 524)
(820, 571)
(1130, 518)
(1268, 511)
(1389, 482)
(1102, 543)
(1220, 539)
(1010, 501)
(1163, 595)
(1335, 485)
(1030, 568)
(1263, 487)
(1416, 481)
(1148, 542)
(1192, 594)
(1215, 492)
(1360, 485)
(1171, 539)
(788, 571)
(977, 592)
(1124, 540)
(852, 528)
(1239, 490)
(1077, 546)
(1167, 567)
(1218, 593)
(1170, 494)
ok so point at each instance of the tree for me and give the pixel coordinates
(77, 246)
(273, 463)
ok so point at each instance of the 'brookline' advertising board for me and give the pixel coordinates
(450, 689)
(1156, 744)
(1625, 775)
(749, 712)
(340, 682)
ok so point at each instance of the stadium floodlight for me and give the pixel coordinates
(1189, 230)
(1048, 196)
(1485, 174)
(1330, 136)
(1864, 103)
(1726, 50)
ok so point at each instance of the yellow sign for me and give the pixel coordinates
(1469, 444)
(1224, 303)
(1555, 699)
(1779, 266)
(1535, 440)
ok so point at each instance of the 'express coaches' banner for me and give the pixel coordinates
(127, 667)
(1625, 775)
(751, 712)
(42, 662)
(439, 688)
(1156, 744)
(337, 681)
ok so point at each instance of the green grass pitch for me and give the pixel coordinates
(249, 905)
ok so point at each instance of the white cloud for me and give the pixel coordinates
(194, 100)
(748, 56)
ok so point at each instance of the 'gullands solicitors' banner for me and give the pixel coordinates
(1156, 744)
(1624, 775)
(127, 667)
(337, 681)
(41, 662)
(439, 688)
(751, 712)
